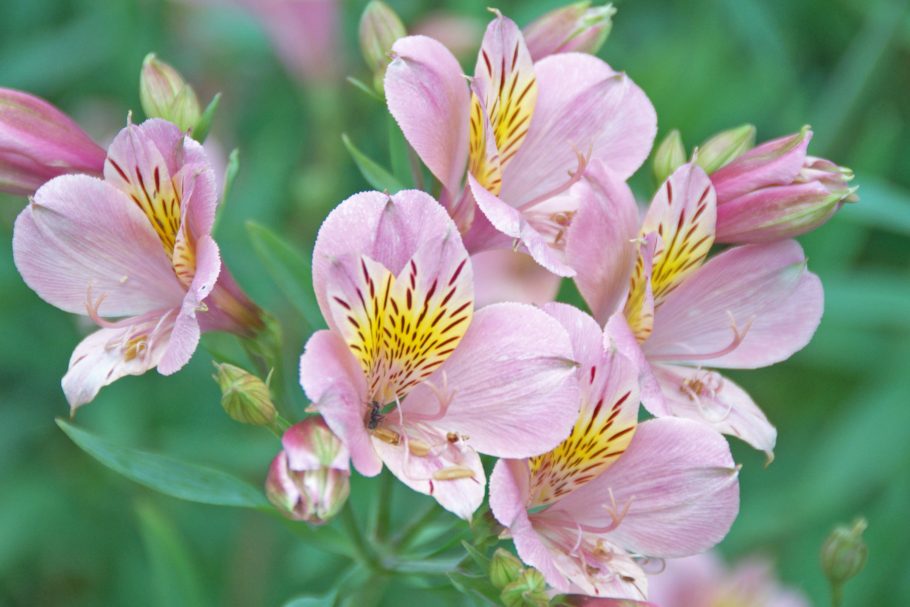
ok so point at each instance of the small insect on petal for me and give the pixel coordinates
(453, 473)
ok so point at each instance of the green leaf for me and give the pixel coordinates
(365, 88)
(170, 476)
(201, 131)
(398, 153)
(375, 175)
(171, 569)
(313, 601)
(476, 585)
(290, 270)
(482, 560)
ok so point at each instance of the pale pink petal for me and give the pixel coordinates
(750, 306)
(387, 229)
(600, 241)
(510, 384)
(109, 354)
(679, 483)
(583, 107)
(619, 335)
(334, 383)
(80, 238)
(422, 473)
(584, 332)
(708, 397)
(428, 96)
(506, 275)
(185, 336)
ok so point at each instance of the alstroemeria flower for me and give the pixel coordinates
(524, 130)
(135, 245)
(408, 374)
(750, 306)
(615, 491)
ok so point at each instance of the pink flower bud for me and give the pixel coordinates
(39, 142)
(578, 27)
(310, 479)
(775, 191)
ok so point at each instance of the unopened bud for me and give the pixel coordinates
(578, 27)
(724, 147)
(310, 479)
(844, 553)
(529, 590)
(380, 27)
(505, 568)
(670, 155)
(244, 396)
(165, 94)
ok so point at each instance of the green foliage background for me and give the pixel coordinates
(73, 533)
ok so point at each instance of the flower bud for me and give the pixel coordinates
(670, 155)
(39, 142)
(380, 27)
(310, 479)
(844, 553)
(529, 590)
(164, 94)
(244, 396)
(776, 191)
(723, 148)
(578, 27)
(505, 568)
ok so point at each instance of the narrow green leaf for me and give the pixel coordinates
(482, 560)
(170, 476)
(375, 175)
(312, 601)
(365, 88)
(172, 573)
(290, 269)
(201, 131)
(398, 153)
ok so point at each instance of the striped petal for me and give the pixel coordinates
(606, 422)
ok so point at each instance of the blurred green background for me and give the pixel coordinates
(74, 533)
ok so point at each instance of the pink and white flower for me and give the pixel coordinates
(408, 375)
(524, 131)
(137, 246)
(749, 306)
(614, 492)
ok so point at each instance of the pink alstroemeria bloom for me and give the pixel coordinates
(749, 306)
(408, 374)
(615, 491)
(525, 132)
(137, 246)
(776, 191)
(39, 142)
(705, 581)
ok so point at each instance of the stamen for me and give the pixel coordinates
(738, 337)
(453, 473)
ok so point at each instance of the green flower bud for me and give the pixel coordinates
(380, 27)
(529, 590)
(670, 155)
(505, 568)
(164, 94)
(844, 553)
(244, 396)
(724, 147)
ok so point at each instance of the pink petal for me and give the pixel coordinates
(511, 384)
(109, 354)
(599, 242)
(707, 397)
(619, 335)
(185, 336)
(679, 483)
(428, 96)
(761, 294)
(80, 238)
(583, 107)
(334, 383)
(387, 229)
(460, 496)
(506, 275)
(775, 162)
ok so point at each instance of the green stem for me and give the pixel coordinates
(406, 535)
(365, 553)
(383, 504)
(837, 595)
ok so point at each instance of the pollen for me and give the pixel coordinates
(453, 473)
(418, 447)
(135, 347)
(387, 436)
